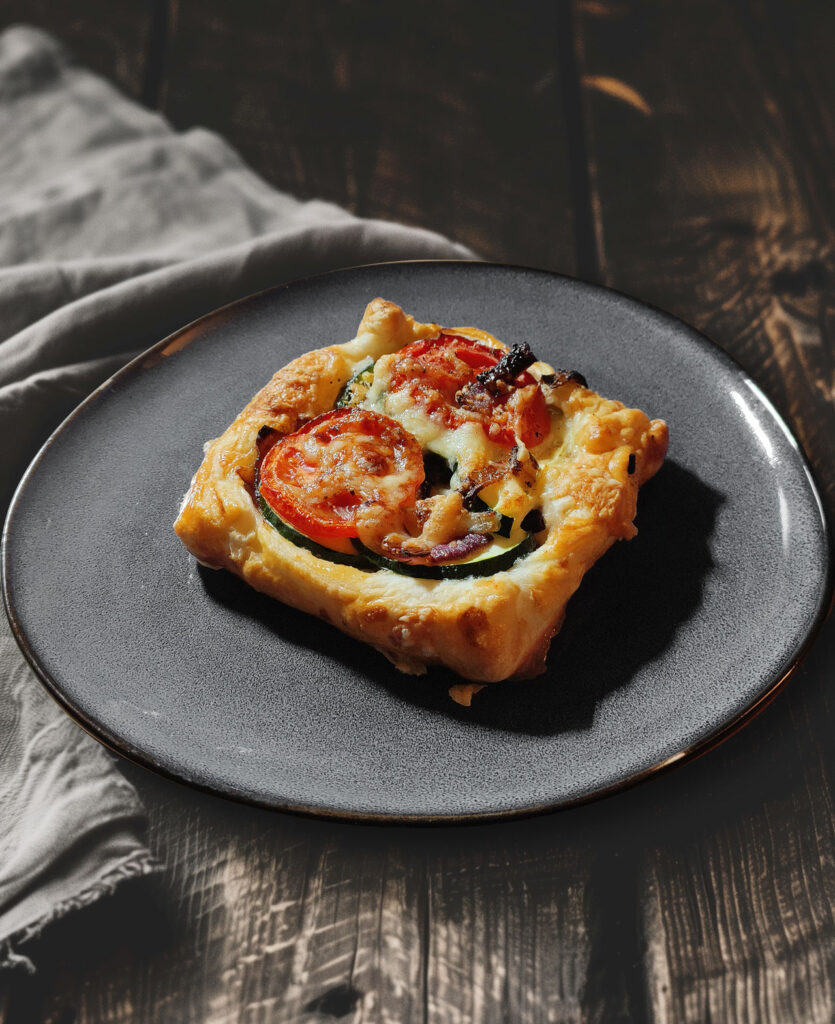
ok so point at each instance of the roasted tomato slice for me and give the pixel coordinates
(435, 370)
(524, 415)
(317, 478)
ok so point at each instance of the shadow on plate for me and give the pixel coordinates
(624, 615)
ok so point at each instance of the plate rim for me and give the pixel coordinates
(179, 339)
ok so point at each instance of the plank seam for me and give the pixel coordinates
(586, 246)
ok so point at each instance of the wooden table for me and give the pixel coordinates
(681, 153)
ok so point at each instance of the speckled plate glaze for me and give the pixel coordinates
(673, 639)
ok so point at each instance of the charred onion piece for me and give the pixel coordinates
(451, 551)
(458, 548)
(509, 367)
(476, 397)
(485, 475)
(480, 394)
(490, 472)
(560, 377)
(440, 530)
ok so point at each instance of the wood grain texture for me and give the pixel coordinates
(708, 206)
(111, 39)
(445, 114)
(710, 137)
(262, 917)
(710, 955)
(738, 905)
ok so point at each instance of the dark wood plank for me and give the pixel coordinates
(264, 917)
(507, 931)
(743, 929)
(794, 46)
(706, 206)
(709, 138)
(443, 114)
(111, 39)
(737, 900)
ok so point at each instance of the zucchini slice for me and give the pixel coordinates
(498, 555)
(300, 540)
(357, 387)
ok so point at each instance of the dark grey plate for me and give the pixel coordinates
(672, 640)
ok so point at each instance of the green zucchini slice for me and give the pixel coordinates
(498, 555)
(300, 540)
(357, 387)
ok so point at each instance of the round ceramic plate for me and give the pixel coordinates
(671, 641)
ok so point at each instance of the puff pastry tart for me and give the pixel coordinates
(426, 490)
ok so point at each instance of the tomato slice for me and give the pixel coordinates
(434, 370)
(317, 478)
(525, 417)
(439, 367)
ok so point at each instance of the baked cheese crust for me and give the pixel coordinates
(586, 477)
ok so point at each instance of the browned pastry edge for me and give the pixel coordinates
(485, 628)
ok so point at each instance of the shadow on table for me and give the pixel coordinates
(624, 615)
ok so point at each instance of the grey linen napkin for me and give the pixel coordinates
(114, 231)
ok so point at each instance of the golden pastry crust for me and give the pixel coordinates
(484, 628)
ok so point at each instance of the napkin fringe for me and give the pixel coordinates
(140, 863)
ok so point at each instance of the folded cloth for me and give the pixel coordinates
(114, 231)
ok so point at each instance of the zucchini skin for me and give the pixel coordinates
(300, 540)
(362, 378)
(452, 570)
(370, 561)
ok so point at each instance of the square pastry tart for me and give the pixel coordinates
(426, 490)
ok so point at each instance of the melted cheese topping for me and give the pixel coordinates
(466, 448)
